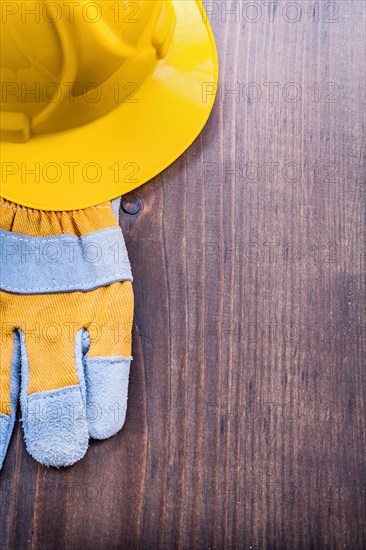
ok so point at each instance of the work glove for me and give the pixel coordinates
(66, 312)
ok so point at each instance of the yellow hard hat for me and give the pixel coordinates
(99, 97)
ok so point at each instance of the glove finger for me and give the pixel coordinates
(9, 387)
(106, 381)
(52, 400)
(107, 363)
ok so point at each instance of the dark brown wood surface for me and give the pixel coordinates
(246, 419)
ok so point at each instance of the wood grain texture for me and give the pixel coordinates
(246, 419)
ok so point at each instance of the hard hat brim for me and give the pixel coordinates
(133, 143)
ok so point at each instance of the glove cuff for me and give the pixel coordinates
(43, 223)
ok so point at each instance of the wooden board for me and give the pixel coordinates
(246, 418)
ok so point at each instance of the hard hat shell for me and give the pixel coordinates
(97, 101)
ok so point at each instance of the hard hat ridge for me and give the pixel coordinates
(87, 69)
